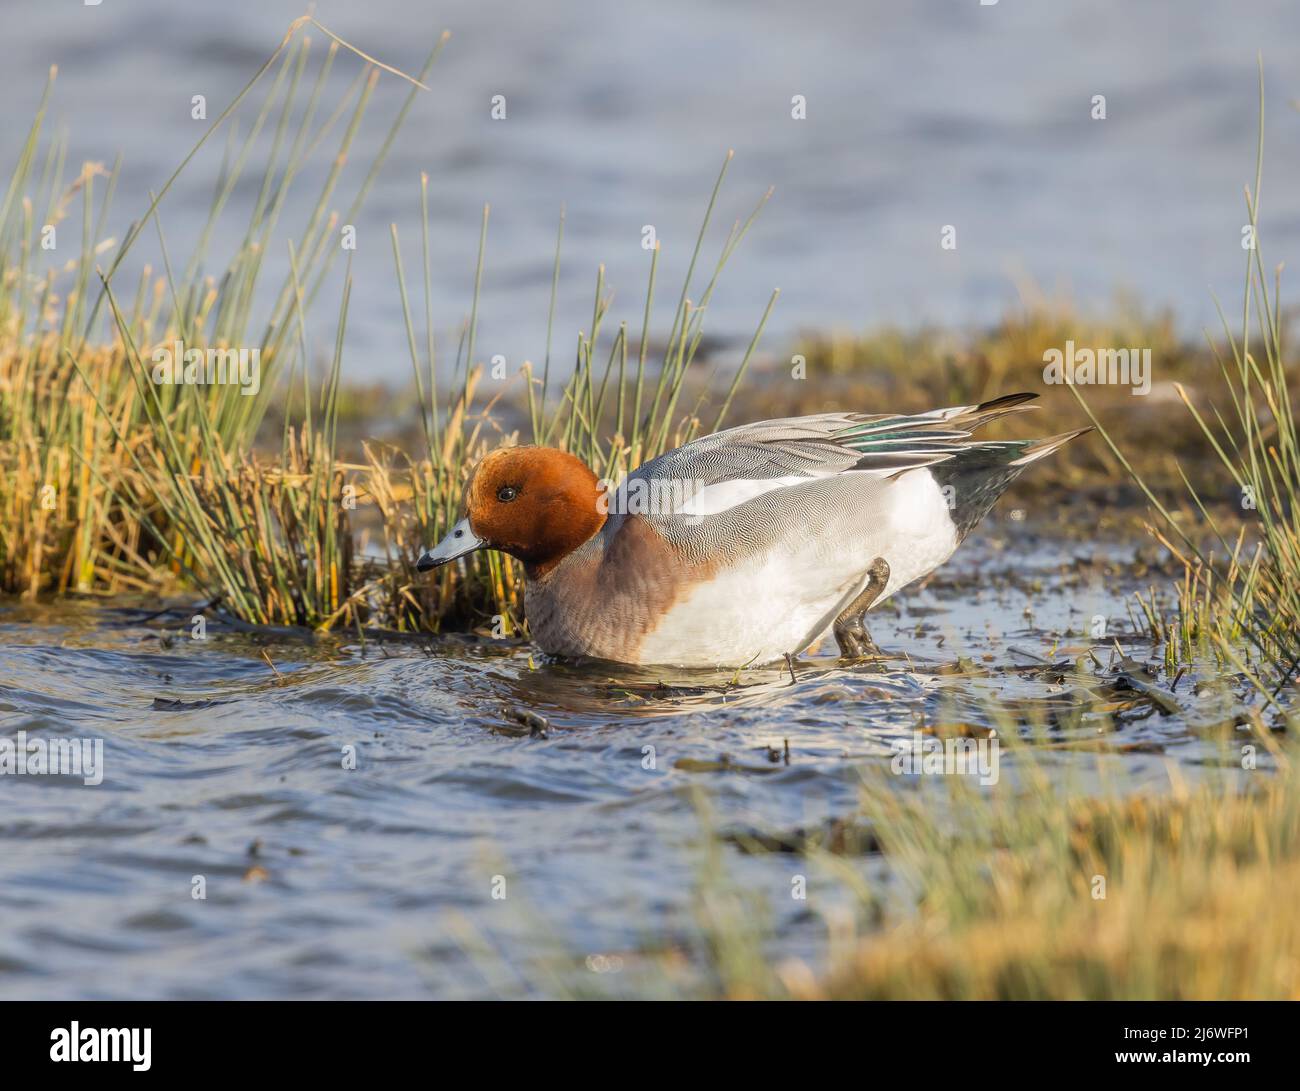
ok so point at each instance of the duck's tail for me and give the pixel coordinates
(970, 417)
(981, 470)
(1041, 448)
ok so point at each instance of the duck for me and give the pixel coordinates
(743, 547)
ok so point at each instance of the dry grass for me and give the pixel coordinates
(111, 482)
(1195, 888)
(918, 369)
(68, 507)
(1001, 897)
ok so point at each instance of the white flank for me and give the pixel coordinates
(762, 607)
(725, 495)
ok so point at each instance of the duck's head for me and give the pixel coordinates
(535, 503)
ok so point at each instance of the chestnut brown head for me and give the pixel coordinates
(535, 503)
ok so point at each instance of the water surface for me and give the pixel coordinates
(378, 881)
(919, 115)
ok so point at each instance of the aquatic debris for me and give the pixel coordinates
(838, 836)
(725, 764)
(1163, 700)
(539, 727)
(171, 704)
(778, 757)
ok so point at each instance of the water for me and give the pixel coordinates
(919, 115)
(378, 881)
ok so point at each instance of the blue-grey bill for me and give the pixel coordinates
(460, 540)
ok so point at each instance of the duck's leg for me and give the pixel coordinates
(850, 628)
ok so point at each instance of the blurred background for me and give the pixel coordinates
(918, 115)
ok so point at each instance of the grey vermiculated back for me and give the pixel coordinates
(848, 458)
(828, 443)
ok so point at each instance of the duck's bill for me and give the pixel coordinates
(460, 541)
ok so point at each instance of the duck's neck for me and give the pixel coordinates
(563, 548)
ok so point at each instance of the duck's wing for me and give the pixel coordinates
(721, 472)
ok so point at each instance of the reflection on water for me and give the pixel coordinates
(577, 783)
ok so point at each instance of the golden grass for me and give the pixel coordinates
(69, 494)
(110, 482)
(1195, 888)
(1198, 885)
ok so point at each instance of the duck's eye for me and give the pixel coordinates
(507, 493)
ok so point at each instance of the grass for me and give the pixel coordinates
(1082, 881)
(916, 369)
(1242, 596)
(1005, 897)
(111, 482)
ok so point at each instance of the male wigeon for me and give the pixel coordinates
(744, 546)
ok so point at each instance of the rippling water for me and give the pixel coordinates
(378, 881)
